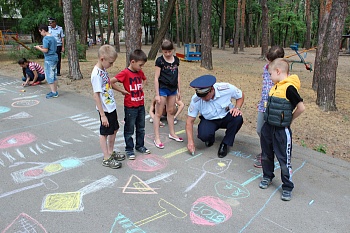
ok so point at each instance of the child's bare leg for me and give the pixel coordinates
(170, 108)
(103, 145)
(180, 107)
(156, 121)
(111, 141)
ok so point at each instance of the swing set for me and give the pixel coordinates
(295, 48)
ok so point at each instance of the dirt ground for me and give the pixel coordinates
(314, 129)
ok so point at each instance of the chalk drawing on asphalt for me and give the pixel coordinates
(136, 186)
(25, 103)
(148, 163)
(213, 166)
(17, 140)
(20, 115)
(210, 211)
(49, 169)
(73, 201)
(4, 109)
(24, 223)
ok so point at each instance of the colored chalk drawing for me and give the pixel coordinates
(50, 169)
(126, 224)
(25, 103)
(232, 189)
(17, 140)
(4, 109)
(210, 211)
(24, 223)
(20, 115)
(46, 182)
(73, 201)
(148, 163)
(214, 166)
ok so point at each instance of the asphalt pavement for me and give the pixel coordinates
(52, 179)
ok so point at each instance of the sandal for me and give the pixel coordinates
(160, 145)
(118, 156)
(176, 139)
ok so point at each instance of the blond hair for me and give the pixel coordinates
(281, 64)
(107, 51)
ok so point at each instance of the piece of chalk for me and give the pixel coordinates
(192, 153)
(312, 201)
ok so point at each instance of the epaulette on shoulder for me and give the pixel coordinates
(196, 99)
(222, 87)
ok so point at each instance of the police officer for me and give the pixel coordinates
(213, 102)
(57, 32)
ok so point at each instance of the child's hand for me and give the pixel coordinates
(157, 99)
(124, 92)
(178, 96)
(105, 122)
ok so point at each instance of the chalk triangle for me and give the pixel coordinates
(19, 115)
(136, 186)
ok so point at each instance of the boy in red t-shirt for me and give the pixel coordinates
(133, 80)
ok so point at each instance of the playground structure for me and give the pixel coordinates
(192, 52)
(295, 48)
(6, 36)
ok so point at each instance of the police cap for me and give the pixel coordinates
(50, 19)
(203, 84)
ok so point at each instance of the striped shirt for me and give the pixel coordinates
(35, 66)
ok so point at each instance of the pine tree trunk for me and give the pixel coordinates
(308, 25)
(264, 29)
(116, 26)
(133, 31)
(237, 27)
(206, 61)
(197, 36)
(162, 31)
(329, 55)
(85, 7)
(177, 25)
(100, 22)
(241, 44)
(71, 42)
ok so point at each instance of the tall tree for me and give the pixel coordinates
(197, 35)
(187, 21)
(71, 43)
(237, 27)
(207, 60)
(224, 24)
(177, 24)
(241, 44)
(132, 22)
(85, 6)
(162, 30)
(100, 22)
(264, 28)
(308, 24)
(327, 54)
(116, 25)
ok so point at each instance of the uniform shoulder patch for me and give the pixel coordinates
(222, 87)
(196, 99)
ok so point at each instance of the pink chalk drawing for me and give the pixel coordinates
(148, 163)
(210, 211)
(24, 223)
(25, 103)
(17, 140)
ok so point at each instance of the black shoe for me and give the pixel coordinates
(222, 152)
(209, 144)
(58, 74)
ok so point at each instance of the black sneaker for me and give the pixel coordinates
(118, 156)
(111, 163)
(143, 150)
(265, 183)
(258, 161)
(286, 195)
(131, 155)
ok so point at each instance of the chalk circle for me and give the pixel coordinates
(148, 163)
(25, 103)
(149, 138)
(4, 109)
(34, 172)
(210, 211)
(231, 189)
(70, 163)
(54, 167)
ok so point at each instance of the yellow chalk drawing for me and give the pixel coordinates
(136, 186)
(179, 151)
(62, 201)
(54, 167)
(168, 208)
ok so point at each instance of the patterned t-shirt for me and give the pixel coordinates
(132, 82)
(169, 73)
(35, 66)
(101, 84)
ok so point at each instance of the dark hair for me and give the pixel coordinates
(44, 27)
(138, 55)
(167, 45)
(275, 52)
(22, 61)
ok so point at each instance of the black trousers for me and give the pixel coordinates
(58, 51)
(277, 141)
(207, 128)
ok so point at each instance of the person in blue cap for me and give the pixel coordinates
(213, 102)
